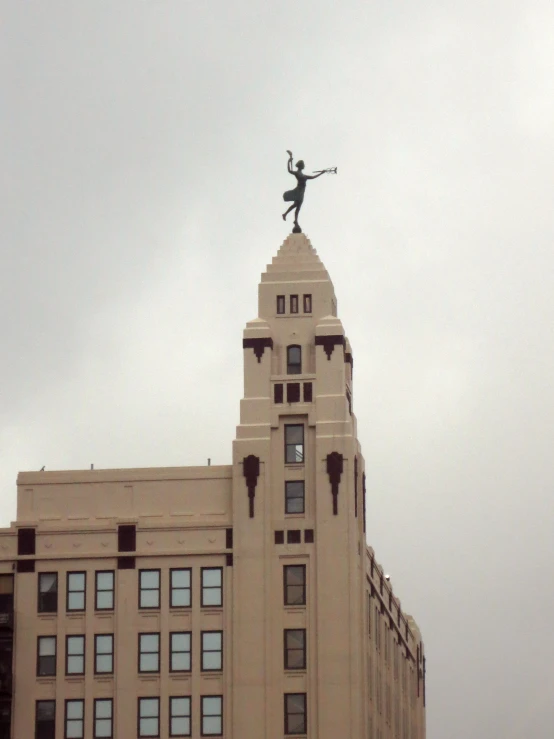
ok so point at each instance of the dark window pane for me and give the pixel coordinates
(47, 592)
(295, 585)
(26, 539)
(126, 538)
(308, 394)
(279, 537)
(294, 303)
(309, 536)
(294, 360)
(295, 713)
(280, 303)
(293, 392)
(294, 444)
(294, 496)
(278, 392)
(295, 649)
(307, 303)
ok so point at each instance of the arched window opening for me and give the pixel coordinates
(294, 360)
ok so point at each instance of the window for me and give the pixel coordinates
(278, 392)
(48, 592)
(45, 720)
(294, 536)
(212, 715)
(179, 651)
(26, 541)
(179, 716)
(104, 591)
(126, 538)
(294, 360)
(212, 586)
(148, 717)
(307, 303)
(74, 719)
(294, 444)
(293, 392)
(280, 304)
(74, 655)
(309, 536)
(295, 713)
(46, 655)
(308, 392)
(295, 585)
(179, 583)
(212, 650)
(103, 718)
(149, 588)
(295, 649)
(76, 586)
(103, 654)
(149, 652)
(279, 537)
(294, 303)
(294, 496)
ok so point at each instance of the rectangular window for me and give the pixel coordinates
(308, 392)
(279, 537)
(45, 720)
(103, 718)
(294, 444)
(74, 655)
(179, 651)
(26, 541)
(295, 649)
(74, 719)
(294, 303)
(295, 713)
(278, 392)
(294, 496)
(294, 536)
(48, 592)
(295, 585)
(212, 650)
(46, 655)
(293, 392)
(211, 715)
(149, 652)
(179, 716)
(149, 588)
(76, 591)
(148, 717)
(307, 303)
(309, 536)
(104, 591)
(280, 304)
(103, 654)
(180, 588)
(126, 538)
(212, 586)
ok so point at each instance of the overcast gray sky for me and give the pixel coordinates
(142, 167)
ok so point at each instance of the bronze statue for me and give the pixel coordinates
(296, 196)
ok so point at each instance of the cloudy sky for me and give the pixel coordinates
(142, 147)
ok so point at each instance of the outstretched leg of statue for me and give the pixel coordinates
(285, 214)
(297, 229)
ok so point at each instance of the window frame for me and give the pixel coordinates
(95, 718)
(293, 303)
(307, 302)
(140, 652)
(288, 714)
(294, 444)
(37, 702)
(39, 592)
(171, 716)
(281, 302)
(211, 651)
(288, 649)
(172, 588)
(286, 569)
(210, 587)
(139, 701)
(82, 719)
(203, 716)
(39, 639)
(67, 655)
(103, 654)
(68, 591)
(97, 590)
(294, 368)
(173, 652)
(148, 590)
(288, 497)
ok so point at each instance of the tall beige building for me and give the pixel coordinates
(239, 601)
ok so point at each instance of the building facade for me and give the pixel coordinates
(237, 601)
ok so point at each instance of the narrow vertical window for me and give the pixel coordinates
(75, 655)
(179, 651)
(104, 591)
(295, 649)
(294, 585)
(294, 496)
(294, 303)
(76, 591)
(278, 392)
(180, 588)
(294, 444)
(148, 717)
(212, 586)
(211, 715)
(103, 718)
(280, 304)
(103, 654)
(308, 392)
(46, 655)
(149, 652)
(75, 719)
(295, 713)
(126, 538)
(294, 360)
(307, 303)
(149, 588)
(45, 720)
(212, 650)
(179, 716)
(48, 592)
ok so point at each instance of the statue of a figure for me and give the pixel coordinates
(296, 196)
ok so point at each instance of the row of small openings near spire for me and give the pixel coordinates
(293, 304)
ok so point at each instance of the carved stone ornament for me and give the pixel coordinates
(329, 343)
(259, 345)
